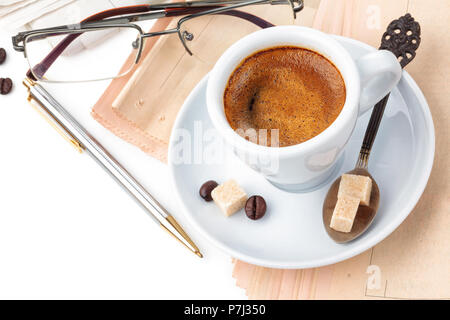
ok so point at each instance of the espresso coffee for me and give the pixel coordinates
(292, 89)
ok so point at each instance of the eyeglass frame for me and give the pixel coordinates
(108, 19)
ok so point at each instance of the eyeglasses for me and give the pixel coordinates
(97, 48)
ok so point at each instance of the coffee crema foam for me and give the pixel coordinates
(292, 89)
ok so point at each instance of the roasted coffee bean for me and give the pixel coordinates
(2, 55)
(206, 189)
(5, 85)
(255, 208)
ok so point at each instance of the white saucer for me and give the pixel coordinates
(291, 235)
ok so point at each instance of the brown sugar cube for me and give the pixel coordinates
(230, 197)
(356, 186)
(344, 213)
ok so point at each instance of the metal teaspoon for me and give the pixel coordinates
(402, 38)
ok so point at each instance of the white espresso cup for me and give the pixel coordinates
(307, 165)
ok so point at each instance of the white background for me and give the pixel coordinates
(67, 230)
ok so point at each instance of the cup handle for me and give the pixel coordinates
(379, 72)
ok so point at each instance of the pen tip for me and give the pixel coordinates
(198, 253)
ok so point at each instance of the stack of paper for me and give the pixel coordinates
(14, 14)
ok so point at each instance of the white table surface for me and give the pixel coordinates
(68, 231)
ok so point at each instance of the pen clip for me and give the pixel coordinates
(38, 106)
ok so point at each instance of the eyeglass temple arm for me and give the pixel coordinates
(298, 5)
(48, 61)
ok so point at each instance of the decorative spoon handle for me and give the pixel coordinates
(402, 38)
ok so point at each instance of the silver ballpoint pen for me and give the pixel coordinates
(73, 132)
